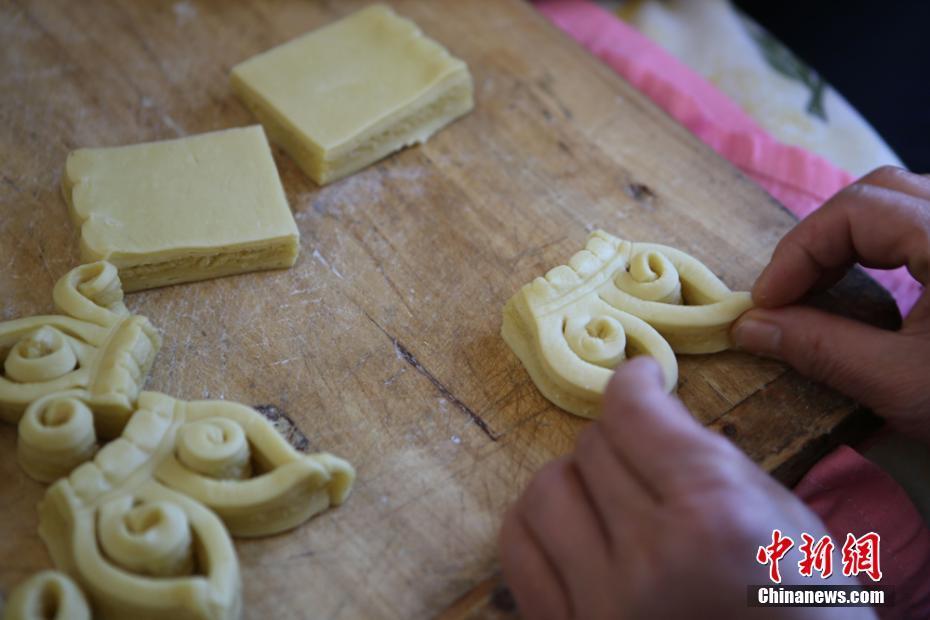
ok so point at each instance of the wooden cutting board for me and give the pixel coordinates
(382, 342)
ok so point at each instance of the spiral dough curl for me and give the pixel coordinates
(149, 538)
(214, 447)
(49, 594)
(600, 340)
(100, 284)
(651, 277)
(55, 437)
(41, 355)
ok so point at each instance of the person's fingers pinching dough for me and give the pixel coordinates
(861, 361)
(651, 516)
(654, 434)
(881, 221)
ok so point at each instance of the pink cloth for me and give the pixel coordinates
(850, 493)
(797, 178)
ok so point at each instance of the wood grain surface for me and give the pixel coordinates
(382, 342)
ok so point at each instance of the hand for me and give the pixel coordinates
(652, 516)
(881, 221)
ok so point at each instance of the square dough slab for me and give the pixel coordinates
(182, 210)
(346, 95)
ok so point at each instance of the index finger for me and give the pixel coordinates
(655, 436)
(882, 221)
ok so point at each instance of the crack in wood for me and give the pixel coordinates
(404, 353)
(760, 390)
(285, 425)
(411, 359)
(641, 193)
(9, 181)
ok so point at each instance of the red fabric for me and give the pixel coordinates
(853, 495)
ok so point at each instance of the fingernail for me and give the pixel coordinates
(655, 367)
(759, 337)
(644, 367)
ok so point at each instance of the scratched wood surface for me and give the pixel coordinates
(382, 342)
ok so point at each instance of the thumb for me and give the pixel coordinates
(856, 359)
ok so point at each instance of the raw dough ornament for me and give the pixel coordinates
(49, 595)
(139, 524)
(139, 527)
(96, 345)
(182, 210)
(344, 96)
(615, 299)
(56, 434)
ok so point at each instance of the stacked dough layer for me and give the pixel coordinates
(344, 96)
(182, 210)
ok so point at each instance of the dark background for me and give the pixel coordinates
(876, 54)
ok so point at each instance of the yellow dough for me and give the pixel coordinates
(182, 210)
(48, 595)
(344, 96)
(142, 527)
(615, 299)
(95, 345)
(56, 434)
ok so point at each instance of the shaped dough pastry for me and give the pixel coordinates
(96, 346)
(56, 434)
(615, 299)
(182, 210)
(48, 595)
(139, 526)
(232, 459)
(344, 96)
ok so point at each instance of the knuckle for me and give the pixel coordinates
(725, 451)
(852, 196)
(594, 455)
(886, 172)
(741, 518)
(730, 512)
(508, 528)
(637, 375)
(921, 219)
(816, 359)
(724, 474)
(547, 482)
(632, 404)
(611, 425)
(796, 244)
(587, 441)
(644, 401)
(896, 392)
